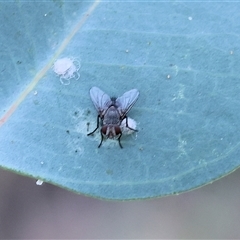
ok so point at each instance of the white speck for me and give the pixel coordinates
(231, 52)
(131, 123)
(39, 182)
(66, 69)
(175, 69)
(42, 163)
(35, 93)
(180, 94)
(127, 51)
(168, 76)
(190, 18)
(181, 146)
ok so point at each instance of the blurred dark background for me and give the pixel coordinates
(31, 211)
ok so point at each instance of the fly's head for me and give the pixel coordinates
(111, 131)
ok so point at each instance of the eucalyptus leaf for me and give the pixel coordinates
(183, 57)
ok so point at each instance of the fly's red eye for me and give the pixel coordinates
(104, 130)
(118, 130)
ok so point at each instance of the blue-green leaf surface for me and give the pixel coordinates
(183, 57)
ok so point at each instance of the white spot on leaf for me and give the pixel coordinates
(66, 69)
(131, 123)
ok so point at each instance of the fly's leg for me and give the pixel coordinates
(96, 130)
(96, 127)
(100, 144)
(119, 141)
(135, 130)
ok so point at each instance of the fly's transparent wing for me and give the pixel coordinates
(126, 101)
(100, 99)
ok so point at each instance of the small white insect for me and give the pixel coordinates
(66, 69)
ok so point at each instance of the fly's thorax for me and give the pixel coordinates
(112, 116)
(111, 131)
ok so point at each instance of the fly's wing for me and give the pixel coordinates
(126, 101)
(100, 99)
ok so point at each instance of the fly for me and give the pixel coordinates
(111, 112)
